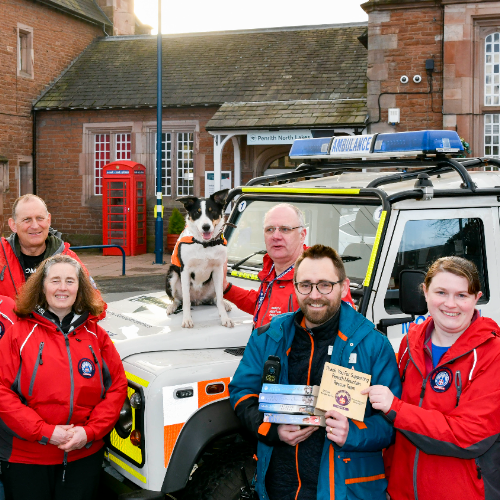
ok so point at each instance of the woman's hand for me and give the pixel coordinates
(77, 441)
(380, 396)
(62, 434)
(294, 434)
(337, 427)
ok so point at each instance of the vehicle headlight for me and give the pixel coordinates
(124, 425)
(136, 400)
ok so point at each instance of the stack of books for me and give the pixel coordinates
(291, 404)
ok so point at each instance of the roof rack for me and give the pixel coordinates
(431, 166)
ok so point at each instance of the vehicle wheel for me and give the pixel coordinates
(218, 477)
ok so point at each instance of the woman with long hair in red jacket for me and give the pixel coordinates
(62, 386)
(448, 418)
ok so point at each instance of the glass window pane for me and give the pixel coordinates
(424, 241)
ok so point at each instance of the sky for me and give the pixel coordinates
(222, 15)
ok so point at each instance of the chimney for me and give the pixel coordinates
(121, 14)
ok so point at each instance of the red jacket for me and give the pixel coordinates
(7, 315)
(12, 274)
(279, 299)
(448, 444)
(50, 378)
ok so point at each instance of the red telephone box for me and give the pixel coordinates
(124, 207)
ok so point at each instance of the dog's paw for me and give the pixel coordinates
(187, 323)
(227, 305)
(227, 322)
(171, 308)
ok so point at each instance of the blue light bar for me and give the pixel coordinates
(311, 148)
(423, 142)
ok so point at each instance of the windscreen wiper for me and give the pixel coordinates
(242, 261)
(349, 258)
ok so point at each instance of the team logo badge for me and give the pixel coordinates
(2, 329)
(343, 398)
(86, 368)
(441, 380)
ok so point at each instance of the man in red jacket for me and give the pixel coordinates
(284, 236)
(29, 244)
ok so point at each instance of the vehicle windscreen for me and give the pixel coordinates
(349, 228)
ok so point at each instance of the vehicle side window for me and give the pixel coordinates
(424, 241)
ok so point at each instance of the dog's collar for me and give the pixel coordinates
(211, 243)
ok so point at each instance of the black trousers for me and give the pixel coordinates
(45, 482)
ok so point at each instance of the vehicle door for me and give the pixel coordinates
(422, 236)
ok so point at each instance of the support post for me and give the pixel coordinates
(159, 187)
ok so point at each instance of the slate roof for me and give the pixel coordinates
(290, 114)
(302, 63)
(87, 9)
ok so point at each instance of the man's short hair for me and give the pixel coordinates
(320, 252)
(300, 214)
(27, 197)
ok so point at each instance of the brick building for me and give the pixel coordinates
(39, 40)
(461, 39)
(232, 103)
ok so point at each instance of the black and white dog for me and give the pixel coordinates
(196, 273)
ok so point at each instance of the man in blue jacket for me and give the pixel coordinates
(297, 463)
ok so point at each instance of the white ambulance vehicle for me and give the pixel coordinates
(390, 203)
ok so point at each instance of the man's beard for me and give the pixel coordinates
(322, 316)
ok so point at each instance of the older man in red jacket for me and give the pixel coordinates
(284, 236)
(29, 244)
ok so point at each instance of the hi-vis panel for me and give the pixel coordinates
(177, 410)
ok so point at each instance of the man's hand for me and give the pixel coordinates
(77, 441)
(61, 434)
(380, 396)
(337, 427)
(293, 434)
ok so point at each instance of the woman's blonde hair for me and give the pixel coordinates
(457, 266)
(32, 293)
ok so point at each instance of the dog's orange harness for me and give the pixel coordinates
(186, 238)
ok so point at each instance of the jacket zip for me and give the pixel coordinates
(72, 395)
(99, 370)
(39, 361)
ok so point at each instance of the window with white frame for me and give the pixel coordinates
(108, 148)
(179, 145)
(102, 155)
(492, 135)
(492, 70)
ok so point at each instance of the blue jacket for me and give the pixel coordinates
(356, 470)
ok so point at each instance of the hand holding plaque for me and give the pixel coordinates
(340, 390)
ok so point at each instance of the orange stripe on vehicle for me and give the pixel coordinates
(342, 336)
(359, 425)
(245, 397)
(288, 352)
(297, 467)
(204, 398)
(264, 428)
(364, 479)
(331, 474)
(170, 435)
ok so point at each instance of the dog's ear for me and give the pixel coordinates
(187, 201)
(220, 196)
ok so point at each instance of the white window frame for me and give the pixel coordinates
(492, 135)
(25, 52)
(492, 69)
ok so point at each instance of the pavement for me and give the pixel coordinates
(110, 266)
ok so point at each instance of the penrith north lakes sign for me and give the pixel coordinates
(277, 137)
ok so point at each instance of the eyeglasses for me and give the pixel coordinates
(323, 287)
(281, 229)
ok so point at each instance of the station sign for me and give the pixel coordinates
(277, 136)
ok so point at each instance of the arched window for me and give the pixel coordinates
(492, 70)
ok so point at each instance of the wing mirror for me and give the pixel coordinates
(411, 296)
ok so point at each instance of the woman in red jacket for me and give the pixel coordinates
(62, 386)
(448, 418)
